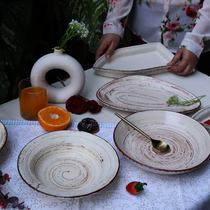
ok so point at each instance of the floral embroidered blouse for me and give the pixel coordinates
(174, 23)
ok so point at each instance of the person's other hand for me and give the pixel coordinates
(187, 64)
(107, 44)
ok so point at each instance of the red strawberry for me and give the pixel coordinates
(135, 188)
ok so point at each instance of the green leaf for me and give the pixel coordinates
(139, 186)
(173, 100)
(179, 30)
(95, 10)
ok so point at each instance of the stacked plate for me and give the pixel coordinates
(189, 141)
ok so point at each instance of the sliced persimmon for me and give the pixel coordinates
(54, 118)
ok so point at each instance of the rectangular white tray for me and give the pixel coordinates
(135, 60)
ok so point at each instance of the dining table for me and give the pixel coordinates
(189, 191)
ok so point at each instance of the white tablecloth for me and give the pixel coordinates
(190, 191)
(197, 83)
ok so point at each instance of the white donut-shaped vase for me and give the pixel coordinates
(60, 60)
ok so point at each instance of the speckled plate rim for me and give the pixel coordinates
(165, 171)
(4, 134)
(76, 196)
(139, 110)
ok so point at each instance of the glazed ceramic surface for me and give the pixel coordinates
(68, 164)
(3, 135)
(141, 59)
(189, 142)
(203, 115)
(59, 60)
(141, 93)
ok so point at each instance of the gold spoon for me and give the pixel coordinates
(160, 146)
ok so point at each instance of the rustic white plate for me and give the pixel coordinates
(141, 93)
(3, 135)
(189, 142)
(203, 115)
(68, 164)
(134, 60)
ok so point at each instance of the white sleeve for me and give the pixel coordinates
(194, 41)
(117, 15)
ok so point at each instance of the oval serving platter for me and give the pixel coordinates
(68, 164)
(189, 142)
(3, 135)
(142, 93)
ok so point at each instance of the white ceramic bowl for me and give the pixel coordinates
(203, 115)
(189, 141)
(68, 164)
(3, 135)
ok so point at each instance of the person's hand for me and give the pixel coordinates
(107, 44)
(187, 64)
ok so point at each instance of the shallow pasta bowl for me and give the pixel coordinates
(189, 142)
(3, 135)
(68, 164)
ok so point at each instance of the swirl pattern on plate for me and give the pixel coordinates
(188, 140)
(68, 164)
(142, 93)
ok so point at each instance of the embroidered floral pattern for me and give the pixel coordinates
(183, 46)
(180, 17)
(170, 28)
(107, 24)
(192, 9)
(201, 43)
(112, 4)
(192, 25)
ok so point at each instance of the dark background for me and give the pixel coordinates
(30, 29)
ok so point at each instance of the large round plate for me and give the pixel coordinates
(3, 135)
(189, 141)
(68, 164)
(141, 93)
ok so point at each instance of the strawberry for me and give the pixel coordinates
(135, 188)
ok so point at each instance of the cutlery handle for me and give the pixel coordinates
(132, 125)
